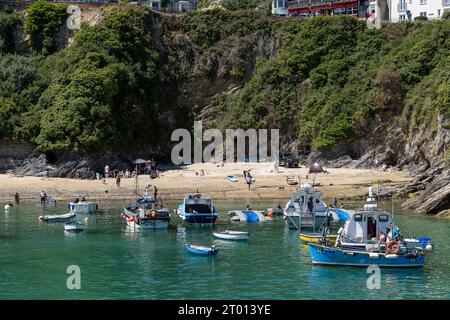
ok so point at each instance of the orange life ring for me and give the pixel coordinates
(397, 248)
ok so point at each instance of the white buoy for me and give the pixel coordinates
(429, 247)
(8, 206)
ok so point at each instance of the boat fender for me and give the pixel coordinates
(390, 247)
(391, 256)
(270, 214)
(373, 255)
(429, 247)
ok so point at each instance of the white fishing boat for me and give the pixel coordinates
(58, 217)
(231, 235)
(83, 206)
(306, 209)
(74, 226)
(147, 212)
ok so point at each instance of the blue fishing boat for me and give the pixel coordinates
(198, 209)
(370, 237)
(202, 250)
(328, 255)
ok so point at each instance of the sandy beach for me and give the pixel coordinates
(173, 184)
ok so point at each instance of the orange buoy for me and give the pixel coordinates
(270, 214)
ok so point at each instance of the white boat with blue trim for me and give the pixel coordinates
(198, 209)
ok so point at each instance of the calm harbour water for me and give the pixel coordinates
(117, 263)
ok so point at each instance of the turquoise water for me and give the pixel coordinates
(153, 264)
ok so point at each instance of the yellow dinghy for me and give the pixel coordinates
(314, 238)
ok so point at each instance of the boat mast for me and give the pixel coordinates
(136, 183)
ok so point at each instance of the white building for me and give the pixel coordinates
(401, 10)
(280, 7)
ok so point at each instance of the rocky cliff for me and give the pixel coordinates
(349, 94)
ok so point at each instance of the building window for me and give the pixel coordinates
(439, 12)
(423, 1)
(402, 17)
(280, 3)
(423, 14)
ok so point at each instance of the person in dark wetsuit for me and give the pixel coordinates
(43, 196)
(17, 198)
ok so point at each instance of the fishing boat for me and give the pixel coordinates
(329, 255)
(83, 206)
(306, 209)
(74, 226)
(370, 237)
(317, 237)
(202, 250)
(147, 212)
(58, 217)
(198, 209)
(231, 235)
(232, 178)
(252, 216)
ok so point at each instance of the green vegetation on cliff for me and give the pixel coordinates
(127, 82)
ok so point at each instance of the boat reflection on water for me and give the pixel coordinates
(360, 283)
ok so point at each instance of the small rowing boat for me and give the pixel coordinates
(232, 178)
(314, 238)
(202, 250)
(231, 235)
(58, 217)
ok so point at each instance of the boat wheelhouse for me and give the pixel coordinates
(198, 209)
(306, 209)
(83, 206)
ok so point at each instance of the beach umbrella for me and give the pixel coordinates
(139, 161)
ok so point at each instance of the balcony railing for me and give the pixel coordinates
(307, 3)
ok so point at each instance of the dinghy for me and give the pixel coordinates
(58, 217)
(232, 178)
(201, 250)
(74, 226)
(231, 235)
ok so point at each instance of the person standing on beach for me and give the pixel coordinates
(335, 202)
(118, 181)
(17, 198)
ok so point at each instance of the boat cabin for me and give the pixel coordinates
(307, 199)
(197, 203)
(366, 225)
